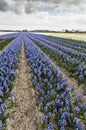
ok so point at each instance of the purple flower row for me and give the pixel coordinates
(8, 64)
(54, 97)
(79, 69)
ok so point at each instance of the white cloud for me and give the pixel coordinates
(37, 14)
(29, 6)
(42, 15)
(37, 21)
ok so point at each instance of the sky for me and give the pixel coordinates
(43, 14)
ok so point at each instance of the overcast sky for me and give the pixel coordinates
(43, 14)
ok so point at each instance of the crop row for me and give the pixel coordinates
(8, 65)
(65, 49)
(75, 67)
(71, 44)
(62, 109)
(7, 36)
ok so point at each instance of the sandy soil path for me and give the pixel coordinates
(26, 115)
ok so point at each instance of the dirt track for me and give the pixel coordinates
(26, 115)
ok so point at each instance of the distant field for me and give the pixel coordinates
(1, 33)
(77, 36)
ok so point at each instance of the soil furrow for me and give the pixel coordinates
(26, 115)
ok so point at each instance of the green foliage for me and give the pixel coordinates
(4, 43)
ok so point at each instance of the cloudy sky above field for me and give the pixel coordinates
(43, 14)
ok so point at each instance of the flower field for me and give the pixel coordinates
(75, 36)
(62, 107)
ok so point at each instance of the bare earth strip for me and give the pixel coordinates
(26, 115)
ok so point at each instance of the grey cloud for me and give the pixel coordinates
(3, 6)
(29, 9)
(61, 4)
(33, 6)
(73, 2)
(30, 6)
